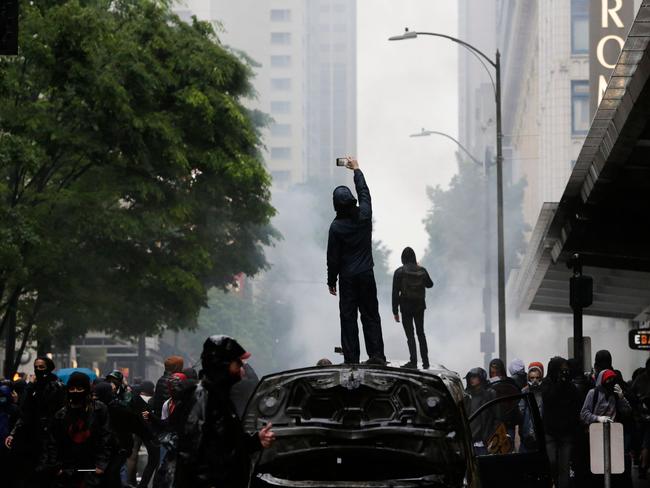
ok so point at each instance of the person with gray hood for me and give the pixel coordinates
(349, 258)
(606, 401)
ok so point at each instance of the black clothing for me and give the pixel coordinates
(161, 394)
(521, 379)
(241, 392)
(408, 318)
(484, 425)
(358, 294)
(349, 257)
(78, 438)
(561, 404)
(41, 401)
(213, 449)
(412, 305)
(349, 247)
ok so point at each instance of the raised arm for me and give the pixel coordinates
(363, 194)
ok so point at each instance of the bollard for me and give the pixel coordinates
(607, 453)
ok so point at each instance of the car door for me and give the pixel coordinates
(505, 461)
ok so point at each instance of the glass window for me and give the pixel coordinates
(280, 153)
(281, 130)
(579, 26)
(281, 84)
(280, 107)
(580, 107)
(283, 38)
(281, 61)
(280, 15)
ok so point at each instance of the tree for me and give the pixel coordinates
(456, 225)
(131, 175)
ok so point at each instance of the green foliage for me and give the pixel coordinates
(131, 179)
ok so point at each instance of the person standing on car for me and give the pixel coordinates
(410, 282)
(349, 258)
(213, 449)
(561, 409)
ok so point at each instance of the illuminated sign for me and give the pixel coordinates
(609, 23)
(639, 339)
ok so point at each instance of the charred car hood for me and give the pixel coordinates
(358, 426)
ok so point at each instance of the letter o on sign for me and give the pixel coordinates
(600, 50)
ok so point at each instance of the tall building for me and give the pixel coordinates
(304, 58)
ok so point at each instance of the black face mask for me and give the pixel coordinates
(40, 374)
(77, 398)
(565, 375)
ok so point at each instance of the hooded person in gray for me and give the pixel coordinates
(604, 402)
(349, 259)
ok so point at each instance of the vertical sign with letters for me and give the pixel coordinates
(609, 23)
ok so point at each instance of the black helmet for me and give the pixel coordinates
(222, 349)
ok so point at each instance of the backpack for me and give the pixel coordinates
(413, 279)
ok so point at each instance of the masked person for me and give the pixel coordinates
(517, 371)
(213, 449)
(349, 258)
(561, 410)
(508, 413)
(8, 416)
(478, 394)
(78, 448)
(641, 391)
(410, 282)
(173, 364)
(533, 385)
(41, 400)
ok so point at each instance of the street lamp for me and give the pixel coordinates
(487, 341)
(496, 64)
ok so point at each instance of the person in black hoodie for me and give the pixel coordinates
(78, 447)
(409, 285)
(349, 258)
(561, 416)
(503, 385)
(41, 400)
(213, 449)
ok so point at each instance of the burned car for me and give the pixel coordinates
(374, 426)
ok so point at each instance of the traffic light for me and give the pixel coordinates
(8, 27)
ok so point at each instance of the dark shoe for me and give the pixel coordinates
(643, 473)
(375, 362)
(409, 365)
(425, 365)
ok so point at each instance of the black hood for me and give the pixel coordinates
(553, 368)
(603, 360)
(343, 199)
(408, 256)
(500, 367)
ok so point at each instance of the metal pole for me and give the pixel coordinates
(578, 348)
(607, 453)
(487, 287)
(500, 237)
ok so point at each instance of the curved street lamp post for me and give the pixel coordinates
(496, 64)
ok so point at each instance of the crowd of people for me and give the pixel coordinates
(568, 402)
(89, 433)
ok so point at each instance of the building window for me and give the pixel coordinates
(282, 38)
(579, 26)
(280, 107)
(580, 107)
(280, 15)
(281, 84)
(280, 61)
(280, 153)
(281, 130)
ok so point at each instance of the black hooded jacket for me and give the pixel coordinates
(409, 264)
(560, 400)
(349, 246)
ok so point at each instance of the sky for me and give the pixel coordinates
(402, 87)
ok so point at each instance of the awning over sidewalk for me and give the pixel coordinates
(604, 213)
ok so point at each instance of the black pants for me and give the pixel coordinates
(358, 293)
(408, 317)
